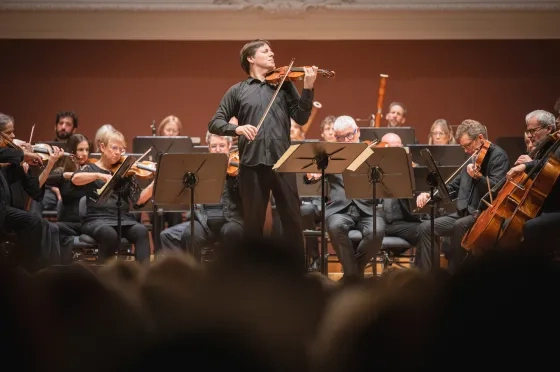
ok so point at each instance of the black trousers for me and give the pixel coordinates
(67, 231)
(339, 225)
(225, 232)
(310, 217)
(453, 226)
(540, 234)
(107, 237)
(158, 225)
(406, 230)
(35, 238)
(255, 185)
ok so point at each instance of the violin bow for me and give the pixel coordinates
(274, 96)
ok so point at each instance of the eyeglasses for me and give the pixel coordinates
(349, 136)
(468, 145)
(438, 134)
(531, 132)
(116, 148)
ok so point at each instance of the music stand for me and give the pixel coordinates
(325, 157)
(407, 134)
(183, 178)
(384, 172)
(443, 155)
(435, 181)
(162, 145)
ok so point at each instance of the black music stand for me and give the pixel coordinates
(162, 145)
(407, 134)
(116, 184)
(325, 157)
(435, 181)
(384, 172)
(182, 179)
(443, 155)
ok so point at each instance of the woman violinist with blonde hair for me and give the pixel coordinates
(101, 221)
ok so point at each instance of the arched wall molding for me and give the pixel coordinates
(277, 19)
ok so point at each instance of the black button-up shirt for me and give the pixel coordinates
(247, 101)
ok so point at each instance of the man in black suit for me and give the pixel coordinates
(468, 187)
(343, 215)
(399, 220)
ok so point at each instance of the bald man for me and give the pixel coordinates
(392, 139)
(399, 221)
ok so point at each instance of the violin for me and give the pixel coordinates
(482, 151)
(295, 73)
(141, 169)
(44, 150)
(233, 163)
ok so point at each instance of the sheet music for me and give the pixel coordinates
(285, 156)
(360, 159)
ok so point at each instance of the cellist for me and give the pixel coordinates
(536, 232)
(468, 188)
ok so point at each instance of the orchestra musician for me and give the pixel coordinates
(399, 221)
(68, 222)
(247, 101)
(36, 240)
(536, 231)
(101, 221)
(468, 187)
(213, 222)
(343, 214)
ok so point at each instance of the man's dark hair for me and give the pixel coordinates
(67, 114)
(249, 50)
(557, 106)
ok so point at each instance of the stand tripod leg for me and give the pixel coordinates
(119, 224)
(324, 256)
(432, 180)
(196, 255)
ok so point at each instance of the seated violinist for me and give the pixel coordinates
(36, 240)
(468, 187)
(69, 223)
(213, 222)
(537, 231)
(101, 221)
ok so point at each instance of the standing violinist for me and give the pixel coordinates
(101, 220)
(247, 101)
(221, 222)
(537, 231)
(468, 187)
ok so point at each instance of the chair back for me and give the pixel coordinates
(82, 208)
(59, 208)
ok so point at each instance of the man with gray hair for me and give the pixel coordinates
(468, 187)
(538, 233)
(539, 124)
(343, 215)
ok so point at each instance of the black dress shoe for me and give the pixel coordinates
(315, 265)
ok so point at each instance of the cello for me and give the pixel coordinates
(519, 200)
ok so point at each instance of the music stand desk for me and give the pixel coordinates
(319, 157)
